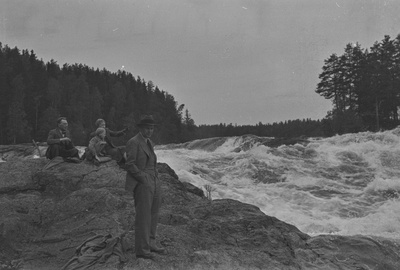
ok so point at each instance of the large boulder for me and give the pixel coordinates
(59, 215)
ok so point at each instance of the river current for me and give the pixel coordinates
(345, 185)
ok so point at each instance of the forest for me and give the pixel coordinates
(364, 87)
(362, 84)
(34, 94)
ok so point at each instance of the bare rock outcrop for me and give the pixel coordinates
(53, 214)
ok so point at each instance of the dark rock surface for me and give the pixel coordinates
(48, 210)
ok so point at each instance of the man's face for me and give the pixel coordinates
(147, 131)
(102, 124)
(63, 125)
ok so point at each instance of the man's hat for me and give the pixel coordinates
(146, 120)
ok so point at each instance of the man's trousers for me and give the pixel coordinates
(147, 198)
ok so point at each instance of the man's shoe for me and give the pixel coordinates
(154, 248)
(146, 256)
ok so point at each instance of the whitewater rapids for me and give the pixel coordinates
(345, 185)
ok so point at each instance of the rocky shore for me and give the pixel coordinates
(59, 215)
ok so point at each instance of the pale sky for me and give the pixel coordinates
(228, 61)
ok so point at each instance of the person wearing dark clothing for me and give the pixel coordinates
(142, 180)
(59, 141)
(116, 152)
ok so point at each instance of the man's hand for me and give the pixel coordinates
(65, 139)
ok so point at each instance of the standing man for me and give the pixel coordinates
(142, 180)
(59, 142)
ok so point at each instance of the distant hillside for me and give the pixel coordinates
(34, 94)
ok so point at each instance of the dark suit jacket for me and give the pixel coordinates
(54, 143)
(137, 153)
(55, 135)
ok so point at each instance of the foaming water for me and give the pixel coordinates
(345, 185)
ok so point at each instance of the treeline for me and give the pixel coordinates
(364, 87)
(288, 129)
(33, 94)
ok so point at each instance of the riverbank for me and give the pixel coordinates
(49, 211)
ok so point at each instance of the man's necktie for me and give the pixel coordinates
(149, 145)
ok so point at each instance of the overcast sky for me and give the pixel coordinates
(228, 61)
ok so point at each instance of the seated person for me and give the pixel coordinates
(97, 147)
(59, 142)
(116, 152)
